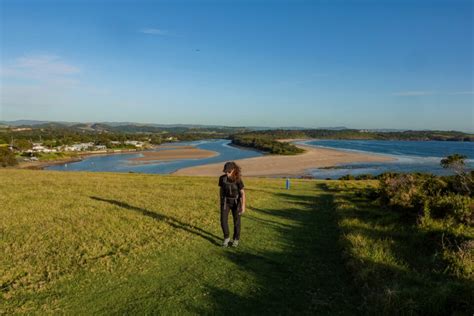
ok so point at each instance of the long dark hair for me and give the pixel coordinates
(237, 174)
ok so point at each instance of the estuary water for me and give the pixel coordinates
(121, 162)
(410, 156)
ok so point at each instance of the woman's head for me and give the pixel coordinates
(232, 170)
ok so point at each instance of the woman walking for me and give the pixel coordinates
(232, 198)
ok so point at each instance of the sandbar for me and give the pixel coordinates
(284, 165)
(176, 153)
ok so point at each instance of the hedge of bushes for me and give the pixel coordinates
(266, 144)
(7, 158)
(427, 195)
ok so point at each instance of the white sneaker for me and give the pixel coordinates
(235, 243)
(226, 242)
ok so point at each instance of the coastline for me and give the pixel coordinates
(293, 165)
(170, 152)
(40, 165)
(262, 166)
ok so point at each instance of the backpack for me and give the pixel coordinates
(231, 189)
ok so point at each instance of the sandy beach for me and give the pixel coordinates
(174, 153)
(279, 165)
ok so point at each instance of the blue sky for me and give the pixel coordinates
(360, 64)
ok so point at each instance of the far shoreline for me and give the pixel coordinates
(41, 165)
(171, 152)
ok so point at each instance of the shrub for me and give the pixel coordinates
(7, 158)
(463, 182)
(347, 177)
(402, 191)
(459, 207)
(434, 186)
(367, 176)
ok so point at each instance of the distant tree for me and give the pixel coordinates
(7, 158)
(22, 144)
(49, 143)
(456, 163)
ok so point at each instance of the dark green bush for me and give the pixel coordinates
(7, 158)
(266, 143)
(365, 177)
(425, 194)
(402, 192)
(347, 177)
(458, 207)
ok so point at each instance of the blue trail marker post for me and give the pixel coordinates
(287, 183)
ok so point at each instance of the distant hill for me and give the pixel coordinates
(133, 127)
(23, 122)
(106, 125)
(337, 128)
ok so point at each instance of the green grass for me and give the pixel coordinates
(103, 243)
(87, 243)
(51, 156)
(404, 265)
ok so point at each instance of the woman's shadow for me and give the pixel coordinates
(173, 222)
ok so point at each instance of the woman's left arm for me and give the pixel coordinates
(242, 197)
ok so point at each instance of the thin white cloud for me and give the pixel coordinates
(461, 92)
(41, 68)
(152, 31)
(412, 93)
(424, 93)
(33, 81)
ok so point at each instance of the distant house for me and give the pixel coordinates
(39, 148)
(135, 143)
(80, 147)
(100, 147)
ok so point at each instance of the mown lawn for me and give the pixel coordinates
(127, 243)
(103, 243)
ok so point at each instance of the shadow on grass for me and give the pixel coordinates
(263, 221)
(410, 274)
(307, 278)
(173, 222)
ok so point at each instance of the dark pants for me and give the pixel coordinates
(234, 205)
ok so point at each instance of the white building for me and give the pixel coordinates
(79, 147)
(135, 143)
(39, 148)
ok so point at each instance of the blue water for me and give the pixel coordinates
(410, 156)
(121, 162)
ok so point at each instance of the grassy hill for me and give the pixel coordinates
(102, 243)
